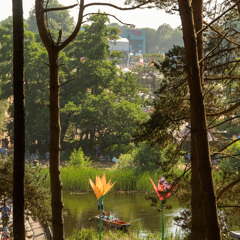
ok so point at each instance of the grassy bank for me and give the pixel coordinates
(76, 178)
(91, 234)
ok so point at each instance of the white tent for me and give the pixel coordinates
(121, 44)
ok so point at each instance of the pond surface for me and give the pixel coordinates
(130, 207)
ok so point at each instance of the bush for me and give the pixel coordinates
(144, 157)
(78, 158)
(126, 160)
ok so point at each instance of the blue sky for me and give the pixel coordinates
(151, 18)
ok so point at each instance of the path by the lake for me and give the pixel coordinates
(34, 230)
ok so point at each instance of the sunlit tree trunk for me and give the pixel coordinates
(19, 121)
(200, 159)
(55, 133)
(53, 49)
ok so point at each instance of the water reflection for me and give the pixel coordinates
(129, 207)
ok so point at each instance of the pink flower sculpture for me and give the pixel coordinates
(162, 188)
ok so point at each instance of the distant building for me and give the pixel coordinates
(131, 43)
(121, 44)
(136, 38)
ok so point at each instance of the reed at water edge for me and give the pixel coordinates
(76, 178)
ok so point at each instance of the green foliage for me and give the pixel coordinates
(83, 234)
(126, 160)
(91, 234)
(36, 85)
(3, 117)
(57, 20)
(117, 149)
(232, 164)
(102, 102)
(171, 105)
(37, 196)
(100, 106)
(77, 178)
(166, 38)
(77, 158)
(146, 157)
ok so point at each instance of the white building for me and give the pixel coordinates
(121, 44)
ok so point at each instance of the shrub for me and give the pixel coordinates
(77, 158)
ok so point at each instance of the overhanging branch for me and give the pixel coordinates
(107, 14)
(117, 7)
(223, 35)
(227, 120)
(232, 184)
(226, 146)
(235, 106)
(59, 8)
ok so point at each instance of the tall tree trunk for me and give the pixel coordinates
(55, 133)
(19, 121)
(200, 147)
(198, 224)
(53, 49)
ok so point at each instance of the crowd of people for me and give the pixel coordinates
(5, 211)
(100, 157)
(34, 158)
(107, 158)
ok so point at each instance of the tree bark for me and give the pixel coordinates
(19, 121)
(55, 133)
(198, 224)
(200, 148)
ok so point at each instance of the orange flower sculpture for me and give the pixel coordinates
(162, 188)
(101, 187)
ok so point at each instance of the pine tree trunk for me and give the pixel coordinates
(198, 224)
(55, 133)
(200, 148)
(19, 122)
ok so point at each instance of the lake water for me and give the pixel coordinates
(130, 207)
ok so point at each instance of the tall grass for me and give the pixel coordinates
(91, 234)
(76, 178)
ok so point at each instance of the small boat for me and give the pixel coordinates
(119, 224)
(235, 234)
